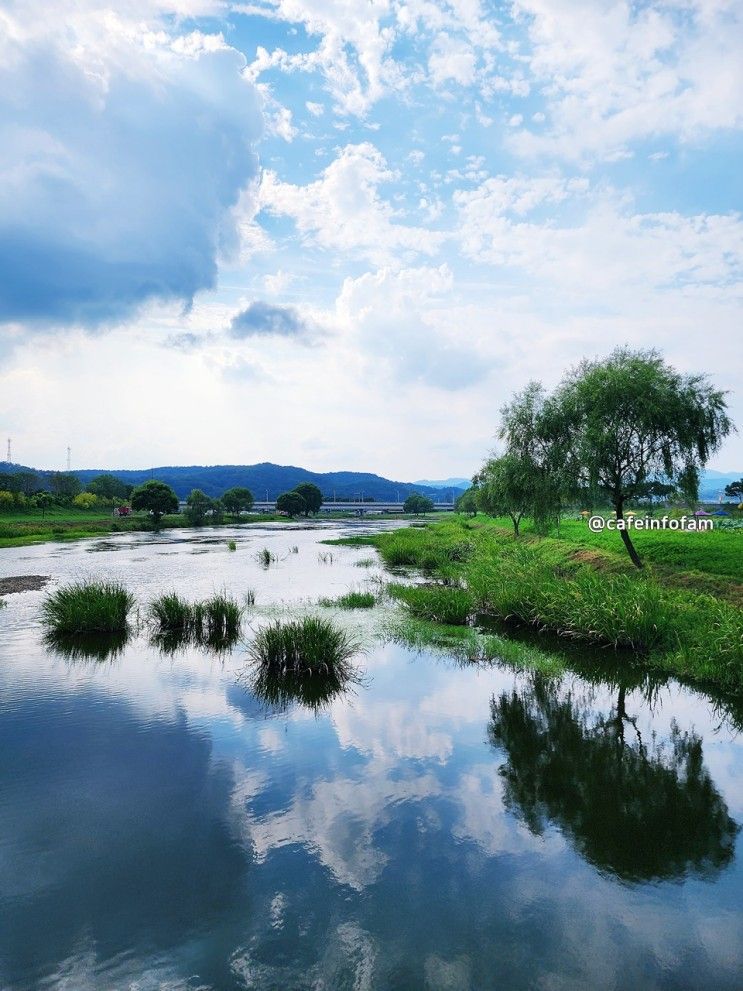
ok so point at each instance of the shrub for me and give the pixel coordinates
(231, 545)
(265, 558)
(87, 607)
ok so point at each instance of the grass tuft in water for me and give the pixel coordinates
(87, 607)
(214, 622)
(231, 545)
(265, 558)
(250, 597)
(304, 647)
(171, 612)
(325, 557)
(351, 600)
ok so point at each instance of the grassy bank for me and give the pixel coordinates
(19, 530)
(586, 592)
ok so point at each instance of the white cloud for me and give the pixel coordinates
(392, 316)
(343, 209)
(614, 72)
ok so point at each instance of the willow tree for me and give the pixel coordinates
(630, 419)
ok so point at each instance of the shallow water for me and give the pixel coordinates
(441, 826)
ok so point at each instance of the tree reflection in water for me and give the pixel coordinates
(636, 808)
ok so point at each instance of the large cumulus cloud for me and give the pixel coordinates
(123, 150)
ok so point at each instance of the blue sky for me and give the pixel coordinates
(340, 233)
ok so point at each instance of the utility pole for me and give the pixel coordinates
(9, 458)
(69, 458)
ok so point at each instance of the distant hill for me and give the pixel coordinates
(267, 480)
(446, 483)
(270, 480)
(713, 483)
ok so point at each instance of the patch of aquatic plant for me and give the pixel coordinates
(304, 647)
(440, 603)
(214, 623)
(250, 597)
(87, 646)
(351, 600)
(365, 562)
(464, 643)
(325, 557)
(294, 549)
(265, 558)
(217, 618)
(171, 612)
(87, 607)
(231, 545)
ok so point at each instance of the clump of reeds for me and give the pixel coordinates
(325, 557)
(231, 545)
(171, 612)
(265, 558)
(351, 600)
(250, 597)
(439, 603)
(304, 647)
(214, 622)
(365, 562)
(87, 607)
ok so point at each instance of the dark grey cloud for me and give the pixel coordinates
(118, 194)
(263, 319)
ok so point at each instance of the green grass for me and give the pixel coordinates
(265, 558)
(308, 646)
(214, 622)
(87, 607)
(231, 545)
(439, 603)
(351, 600)
(585, 593)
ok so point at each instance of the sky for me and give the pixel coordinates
(341, 233)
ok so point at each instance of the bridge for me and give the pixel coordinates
(360, 508)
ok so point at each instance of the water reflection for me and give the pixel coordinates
(172, 642)
(636, 808)
(88, 646)
(279, 690)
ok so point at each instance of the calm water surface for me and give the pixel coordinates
(442, 826)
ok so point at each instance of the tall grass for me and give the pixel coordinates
(308, 646)
(265, 558)
(87, 607)
(351, 600)
(214, 622)
(440, 603)
(231, 545)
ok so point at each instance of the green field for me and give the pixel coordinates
(19, 529)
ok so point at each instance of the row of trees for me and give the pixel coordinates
(625, 428)
(300, 501)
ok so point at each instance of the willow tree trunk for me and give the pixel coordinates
(626, 539)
